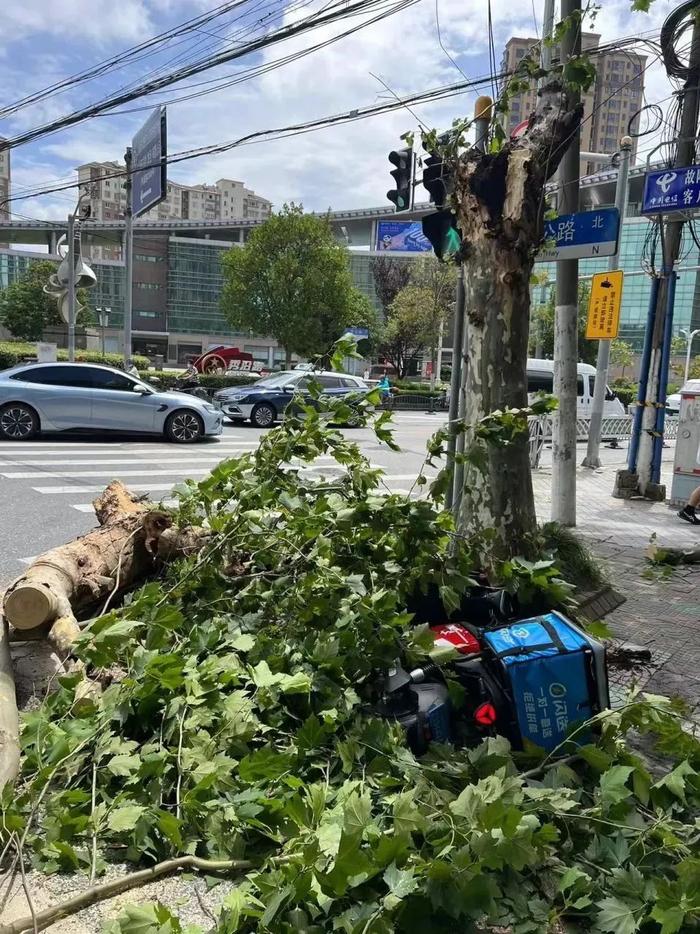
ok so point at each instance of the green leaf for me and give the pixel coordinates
(641, 6)
(124, 765)
(675, 781)
(613, 788)
(125, 817)
(670, 917)
(357, 812)
(299, 683)
(149, 918)
(616, 917)
(265, 764)
(400, 882)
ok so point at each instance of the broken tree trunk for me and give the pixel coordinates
(500, 204)
(95, 567)
(9, 715)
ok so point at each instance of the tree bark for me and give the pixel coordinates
(500, 207)
(9, 715)
(95, 567)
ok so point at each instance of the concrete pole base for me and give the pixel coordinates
(627, 487)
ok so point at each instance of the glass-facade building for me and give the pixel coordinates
(637, 284)
(191, 315)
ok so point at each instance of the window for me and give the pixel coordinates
(579, 387)
(329, 382)
(77, 377)
(149, 286)
(146, 314)
(540, 382)
(106, 379)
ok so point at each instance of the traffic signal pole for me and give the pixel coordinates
(592, 458)
(566, 308)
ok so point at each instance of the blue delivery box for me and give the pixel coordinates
(553, 673)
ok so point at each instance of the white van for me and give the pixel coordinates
(540, 378)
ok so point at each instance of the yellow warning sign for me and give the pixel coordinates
(604, 306)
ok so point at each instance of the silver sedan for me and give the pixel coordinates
(44, 397)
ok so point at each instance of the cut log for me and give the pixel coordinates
(9, 716)
(92, 569)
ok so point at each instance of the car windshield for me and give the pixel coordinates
(279, 379)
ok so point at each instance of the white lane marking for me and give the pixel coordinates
(135, 461)
(30, 560)
(147, 472)
(234, 447)
(78, 490)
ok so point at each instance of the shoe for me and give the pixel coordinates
(688, 516)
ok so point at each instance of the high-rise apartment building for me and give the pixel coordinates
(609, 105)
(4, 181)
(226, 200)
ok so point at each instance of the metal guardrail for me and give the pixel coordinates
(415, 402)
(618, 428)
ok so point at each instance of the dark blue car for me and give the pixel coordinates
(265, 401)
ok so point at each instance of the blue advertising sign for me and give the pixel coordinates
(149, 150)
(671, 190)
(581, 235)
(359, 333)
(402, 237)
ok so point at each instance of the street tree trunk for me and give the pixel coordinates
(500, 207)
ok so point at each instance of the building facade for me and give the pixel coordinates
(609, 105)
(225, 200)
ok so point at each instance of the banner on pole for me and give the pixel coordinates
(604, 306)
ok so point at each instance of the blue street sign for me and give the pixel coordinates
(402, 237)
(149, 150)
(581, 235)
(671, 190)
(359, 333)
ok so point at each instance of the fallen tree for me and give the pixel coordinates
(238, 729)
(96, 567)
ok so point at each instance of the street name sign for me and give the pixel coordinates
(582, 235)
(359, 333)
(149, 151)
(604, 306)
(671, 190)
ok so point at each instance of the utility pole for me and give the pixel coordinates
(566, 310)
(71, 287)
(128, 261)
(482, 120)
(644, 461)
(545, 48)
(592, 458)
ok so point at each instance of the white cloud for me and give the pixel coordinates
(95, 20)
(344, 166)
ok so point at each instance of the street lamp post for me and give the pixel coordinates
(689, 335)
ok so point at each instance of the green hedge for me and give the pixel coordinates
(168, 378)
(14, 352)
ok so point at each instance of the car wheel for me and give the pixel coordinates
(184, 427)
(263, 415)
(18, 422)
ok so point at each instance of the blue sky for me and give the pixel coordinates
(343, 167)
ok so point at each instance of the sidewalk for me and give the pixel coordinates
(662, 610)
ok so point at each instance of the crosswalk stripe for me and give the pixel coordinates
(199, 459)
(78, 490)
(88, 507)
(146, 472)
(207, 450)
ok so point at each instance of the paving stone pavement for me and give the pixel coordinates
(662, 610)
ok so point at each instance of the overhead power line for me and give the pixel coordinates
(333, 12)
(128, 56)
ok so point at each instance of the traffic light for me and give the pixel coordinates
(440, 228)
(403, 176)
(434, 179)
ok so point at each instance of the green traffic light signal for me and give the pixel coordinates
(403, 176)
(440, 228)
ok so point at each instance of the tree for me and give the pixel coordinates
(622, 355)
(440, 280)
(499, 202)
(390, 276)
(290, 281)
(542, 328)
(26, 310)
(363, 314)
(412, 325)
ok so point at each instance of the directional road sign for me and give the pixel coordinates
(149, 151)
(581, 235)
(604, 306)
(671, 190)
(359, 333)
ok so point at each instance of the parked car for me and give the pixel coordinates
(264, 402)
(540, 378)
(44, 397)
(673, 404)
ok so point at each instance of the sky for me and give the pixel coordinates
(44, 41)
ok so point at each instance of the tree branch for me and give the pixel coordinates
(100, 893)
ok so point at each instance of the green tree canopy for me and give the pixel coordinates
(291, 281)
(621, 354)
(412, 325)
(26, 310)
